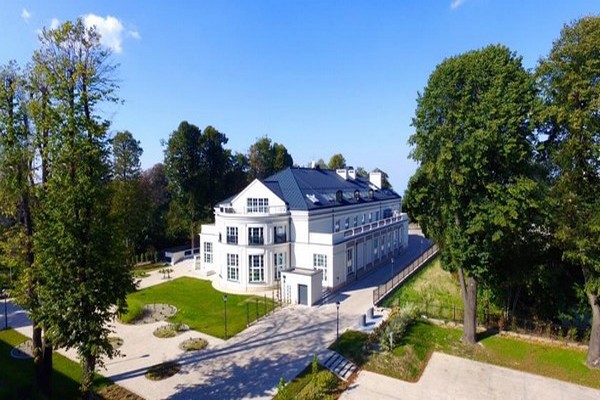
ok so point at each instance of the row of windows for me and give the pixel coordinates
(256, 236)
(256, 267)
(363, 219)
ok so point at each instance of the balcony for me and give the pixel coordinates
(281, 238)
(256, 240)
(232, 240)
(258, 211)
(339, 237)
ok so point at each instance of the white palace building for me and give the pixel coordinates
(303, 230)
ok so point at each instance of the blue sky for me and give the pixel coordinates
(321, 77)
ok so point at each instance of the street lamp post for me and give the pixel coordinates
(225, 307)
(337, 322)
(5, 295)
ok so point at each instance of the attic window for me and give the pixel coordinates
(338, 196)
(356, 195)
(312, 198)
(370, 193)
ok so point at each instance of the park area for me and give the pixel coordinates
(200, 306)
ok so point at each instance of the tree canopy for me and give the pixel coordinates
(472, 192)
(337, 161)
(569, 81)
(266, 158)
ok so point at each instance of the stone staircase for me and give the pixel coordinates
(340, 366)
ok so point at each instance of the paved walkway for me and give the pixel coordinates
(448, 378)
(250, 364)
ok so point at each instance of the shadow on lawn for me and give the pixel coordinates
(18, 377)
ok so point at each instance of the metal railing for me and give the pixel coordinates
(384, 289)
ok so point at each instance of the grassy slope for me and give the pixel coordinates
(410, 358)
(431, 284)
(17, 376)
(200, 306)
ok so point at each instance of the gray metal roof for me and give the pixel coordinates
(313, 188)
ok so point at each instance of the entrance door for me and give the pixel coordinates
(303, 294)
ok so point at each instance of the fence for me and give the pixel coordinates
(545, 329)
(261, 308)
(383, 290)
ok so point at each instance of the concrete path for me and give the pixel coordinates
(448, 378)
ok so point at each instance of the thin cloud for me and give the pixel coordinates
(135, 34)
(109, 28)
(456, 3)
(25, 14)
(55, 23)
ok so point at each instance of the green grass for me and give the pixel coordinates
(200, 306)
(410, 358)
(17, 379)
(431, 284)
(351, 345)
(303, 385)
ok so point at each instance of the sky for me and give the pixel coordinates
(320, 77)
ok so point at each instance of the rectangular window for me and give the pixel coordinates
(280, 236)
(375, 247)
(257, 205)
(337, 225)
(382, 242)
(232, 235)
(208, 252)
(370, 217)
(349, 263)
(278, 264)
(376, 215)
(255, 236)
(355, 220)
(256, 268)
(389, 241)
(320, 262)
(347, 224)
(233, 267)
(364, 219)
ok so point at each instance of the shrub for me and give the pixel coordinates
(282, 390)
(396, 325)
(193, 344)
(165, 331)
(325, 381)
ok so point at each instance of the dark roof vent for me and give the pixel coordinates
(338, 196)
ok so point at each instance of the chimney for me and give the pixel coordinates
(375, 179)
(343, 173)
(352, 173)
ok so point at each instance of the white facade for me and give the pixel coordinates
(257, 234)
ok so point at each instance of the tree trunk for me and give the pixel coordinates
(47, 368)
(468, 287)
(593, 356)
(87, 380)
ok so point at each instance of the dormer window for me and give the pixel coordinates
(257, 205)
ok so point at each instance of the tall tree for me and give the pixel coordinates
(183, 155)
(385, 183)
(155, 188)
(78, 255)
(25, 126)
(569, 79)
(266, 158)
(18, 202)
(129, 203)
(214, 166)
(126, 156)
(337, 161)
(473, 194)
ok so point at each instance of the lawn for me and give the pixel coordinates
(200, 306)
(409, 359)
(17, 380)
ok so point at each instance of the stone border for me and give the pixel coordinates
(23, 351)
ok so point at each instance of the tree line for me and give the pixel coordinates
(508, 182)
